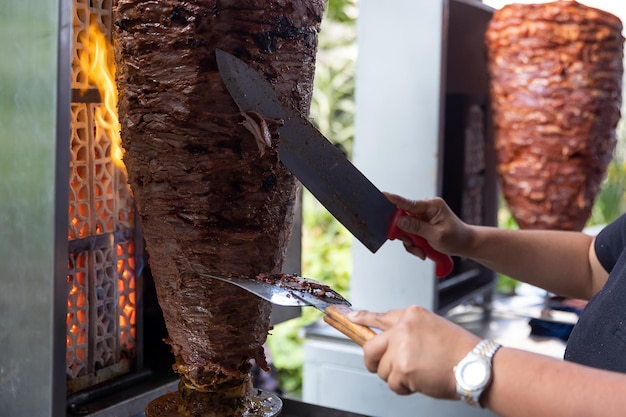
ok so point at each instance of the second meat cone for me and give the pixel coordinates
(556, 81)
(212, 197)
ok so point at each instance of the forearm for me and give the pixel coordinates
(557, 261)
(530, 385)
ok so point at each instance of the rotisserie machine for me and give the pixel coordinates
(80, 328)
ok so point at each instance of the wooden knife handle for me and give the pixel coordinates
(336, 317)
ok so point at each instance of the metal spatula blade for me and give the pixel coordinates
(283, 296)
(334, 306)
(273, 294)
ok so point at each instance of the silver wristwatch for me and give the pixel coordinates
(473, 372)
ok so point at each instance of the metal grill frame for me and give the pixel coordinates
(103, 339)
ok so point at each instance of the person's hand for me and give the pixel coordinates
(417, 350)
(434, 221)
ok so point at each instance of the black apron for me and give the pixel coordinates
(599, 337)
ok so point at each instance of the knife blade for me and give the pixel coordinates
(322, 168)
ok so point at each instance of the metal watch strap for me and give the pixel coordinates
(486, 348)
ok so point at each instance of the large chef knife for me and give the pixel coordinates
(345, 192)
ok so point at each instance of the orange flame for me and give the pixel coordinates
(97, 61)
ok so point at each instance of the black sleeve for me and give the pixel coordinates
(610, 243)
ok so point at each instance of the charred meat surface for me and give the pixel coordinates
(212, 197)
(556, 82)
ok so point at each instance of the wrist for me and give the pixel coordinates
(476, 240)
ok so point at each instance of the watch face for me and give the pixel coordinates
(475, 374)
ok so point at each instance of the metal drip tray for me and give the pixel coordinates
(295, 408)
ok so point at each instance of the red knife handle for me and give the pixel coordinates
(443, 262)
(336, 317)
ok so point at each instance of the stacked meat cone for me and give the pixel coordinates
(556, 82)
(212, 197)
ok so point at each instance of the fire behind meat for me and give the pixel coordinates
(210, 199)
